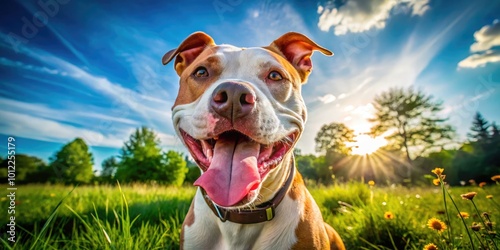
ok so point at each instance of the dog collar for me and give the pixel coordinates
(263, 212)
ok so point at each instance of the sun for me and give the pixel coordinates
(366, 144)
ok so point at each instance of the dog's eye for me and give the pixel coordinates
(275, 76)
(201, 72)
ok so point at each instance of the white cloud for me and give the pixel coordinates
(327, 98)
(484, 49)
(480, 59)
(487, 37)
(38, 128)
(362, 15)
(147, 104)
(16, 64)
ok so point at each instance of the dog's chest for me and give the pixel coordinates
(208, 232)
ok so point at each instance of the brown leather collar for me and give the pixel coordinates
(263, 212)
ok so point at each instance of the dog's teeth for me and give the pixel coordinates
(207, 149)
(209, 153)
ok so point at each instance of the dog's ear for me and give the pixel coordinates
(189, 49)
(297, 49)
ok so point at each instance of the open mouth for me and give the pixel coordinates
(233, 164)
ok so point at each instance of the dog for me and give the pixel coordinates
(239, 112)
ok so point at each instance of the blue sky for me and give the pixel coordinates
(93, 70)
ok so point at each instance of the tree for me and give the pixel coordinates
(305, 165)
(412, 122)
(175, 169)
(194, 171)
(73, 163)
(26, 168)
(495, 133)
(479, 129)
(334, 137)
(109, 167)
(142, 160)
(140, 157)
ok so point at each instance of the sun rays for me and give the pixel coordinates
(380, 165)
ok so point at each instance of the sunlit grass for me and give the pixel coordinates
(150, 217)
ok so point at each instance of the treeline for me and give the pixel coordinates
(141, 159)
(418, 140)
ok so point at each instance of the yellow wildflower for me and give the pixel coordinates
(438, 171)
(371, 183)
(489, 196)
(388, 215)
(468, 196)
(430, 246)
(436, 182)
(436, 224)
(464, 215)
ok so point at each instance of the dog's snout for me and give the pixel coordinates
(233, 100)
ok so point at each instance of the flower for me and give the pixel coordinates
(496, 177)
(482, 184)
(52, 195)
(468, 196)
(464, 215)
(371, 183)
(436, 182)
(430, 246)
(436, 224)
(475, 227)
(438, 171)
(388, 215)
(489, 196)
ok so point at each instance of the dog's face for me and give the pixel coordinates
(239, 111)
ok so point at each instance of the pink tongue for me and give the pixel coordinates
(233, 171)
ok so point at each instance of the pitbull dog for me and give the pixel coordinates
(239, 112)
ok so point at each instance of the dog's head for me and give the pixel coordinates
(239, 111)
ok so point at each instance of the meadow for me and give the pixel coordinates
(150, 216)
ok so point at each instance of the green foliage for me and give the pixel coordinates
(28, 169)
(334, 137)
(73, 163)
(305, 165)
(478, 159)
(142, 160)
(193, 171)
(141, 157)
(317, 169)
(479, 128)
(109, 167)
(174, 168)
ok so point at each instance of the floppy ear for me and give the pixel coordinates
(189, 49)
(297, 49)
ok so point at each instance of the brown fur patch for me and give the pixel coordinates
(191, 87)
(312, 232)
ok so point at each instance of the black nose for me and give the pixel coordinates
(233, 100)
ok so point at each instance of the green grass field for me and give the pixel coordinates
(150, 217)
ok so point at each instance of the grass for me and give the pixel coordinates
(150, 217)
